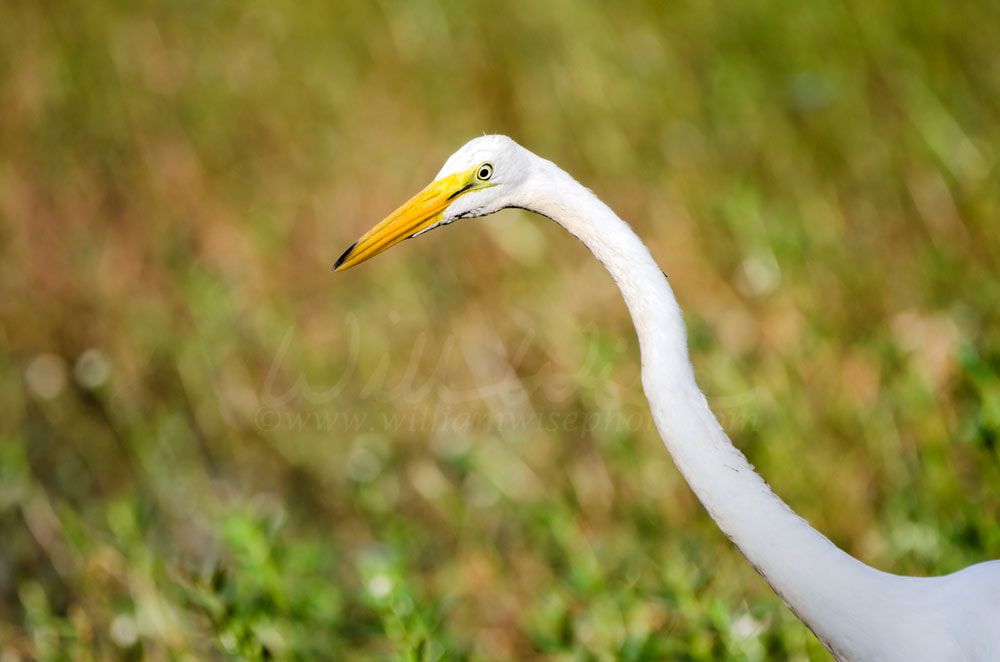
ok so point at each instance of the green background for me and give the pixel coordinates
(211, 447)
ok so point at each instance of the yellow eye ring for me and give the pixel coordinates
(484, 172)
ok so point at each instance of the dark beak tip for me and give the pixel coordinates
(343, 258)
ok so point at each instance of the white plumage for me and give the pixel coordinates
(859, 613)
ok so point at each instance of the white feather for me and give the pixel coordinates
(858, 612)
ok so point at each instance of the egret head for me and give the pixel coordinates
(482, 177)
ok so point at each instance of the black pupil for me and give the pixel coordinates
(484, 172)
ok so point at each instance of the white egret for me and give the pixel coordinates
(858, 612)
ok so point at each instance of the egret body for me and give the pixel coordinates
(858, 612)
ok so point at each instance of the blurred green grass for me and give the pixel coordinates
(211, 447)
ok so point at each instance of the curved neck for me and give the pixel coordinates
(813, 577)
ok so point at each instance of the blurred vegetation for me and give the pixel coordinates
(213, 448)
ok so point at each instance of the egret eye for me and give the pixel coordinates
(485, 171)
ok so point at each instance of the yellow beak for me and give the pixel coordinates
(419, 213)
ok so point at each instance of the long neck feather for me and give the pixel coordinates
(818, 581)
